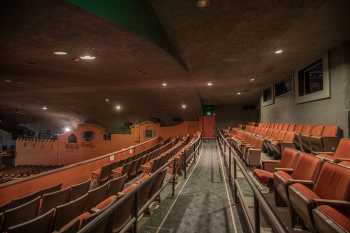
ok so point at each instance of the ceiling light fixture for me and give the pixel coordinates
(209, 84)
(118, 107)
(107, 100)
(88, 57)
(44, 108)
(8, 80)
(252, 80)
(279, 51)
(239, 93)
(202, 3)
(67, 129)
(60, 53)
(164, 84)
(183, 106)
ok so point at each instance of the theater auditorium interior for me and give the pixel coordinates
(175, 116)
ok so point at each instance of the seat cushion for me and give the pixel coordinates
(263, 176)
(282, 176)
(335, 216)
(304, 191)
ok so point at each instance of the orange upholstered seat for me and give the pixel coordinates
(330, 220)
(332, 188)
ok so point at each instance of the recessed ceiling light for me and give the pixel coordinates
(107, 100)
(279, 51)
(183, 106)
(209, 84)
(118, 107)
(252, 80)
(60, 53)
(202, 3)
(164, 84)
(44, 108)
(8, 80)
(88, 57)
(239, 93)
(67, 129)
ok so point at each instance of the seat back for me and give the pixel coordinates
(158, 182)
(68, 211)
(79, 190)
(96, 195)
(330, 131)
(40, 224)
(298, 129)
(307, 167)
(22, 200)
(306, 130)
(51, 200)
(289, 158)
(106, 172)
(5, 206)
(22, 213)
(123, 212)
(317, 130)
(285, 127)
(71, 227)
(333, 182)
(102, 206)
(291, 127)
(343, 149)
(289, 137)
(116, 185)
(144, 191)
(51, 189)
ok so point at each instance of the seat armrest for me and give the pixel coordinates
(270, 165)
(322, 152)
(334, 203)
(308, 183)
(254, 149)
(338, 160)
(287, 170)
(271, 161)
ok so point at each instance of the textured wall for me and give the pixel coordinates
(328, 111)
(60, 152)
(232, 115)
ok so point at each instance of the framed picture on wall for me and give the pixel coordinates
(268, 96)
(313, 81)
(285, 86)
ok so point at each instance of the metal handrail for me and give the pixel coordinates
(258, 196)
(133, 221)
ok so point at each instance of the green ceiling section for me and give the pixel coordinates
(137, 16)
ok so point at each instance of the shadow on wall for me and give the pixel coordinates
(90, 140)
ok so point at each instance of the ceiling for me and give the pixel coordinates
(227, 43)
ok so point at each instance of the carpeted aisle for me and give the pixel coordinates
(201, 203)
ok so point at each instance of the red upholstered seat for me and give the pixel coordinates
(341, 154)
(304, 190)
(288, 160)
(336, 216)
(263, 176)
(333, 184)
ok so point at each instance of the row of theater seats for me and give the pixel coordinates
(316, 190)
(273, 138)
(9, 173)
(309, 138)
(133, 165)
(70, 209)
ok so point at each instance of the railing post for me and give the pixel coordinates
(174, 178)
(135, 210)
(229, 164)
(234, 180)
(256, 215)
(185, 164)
